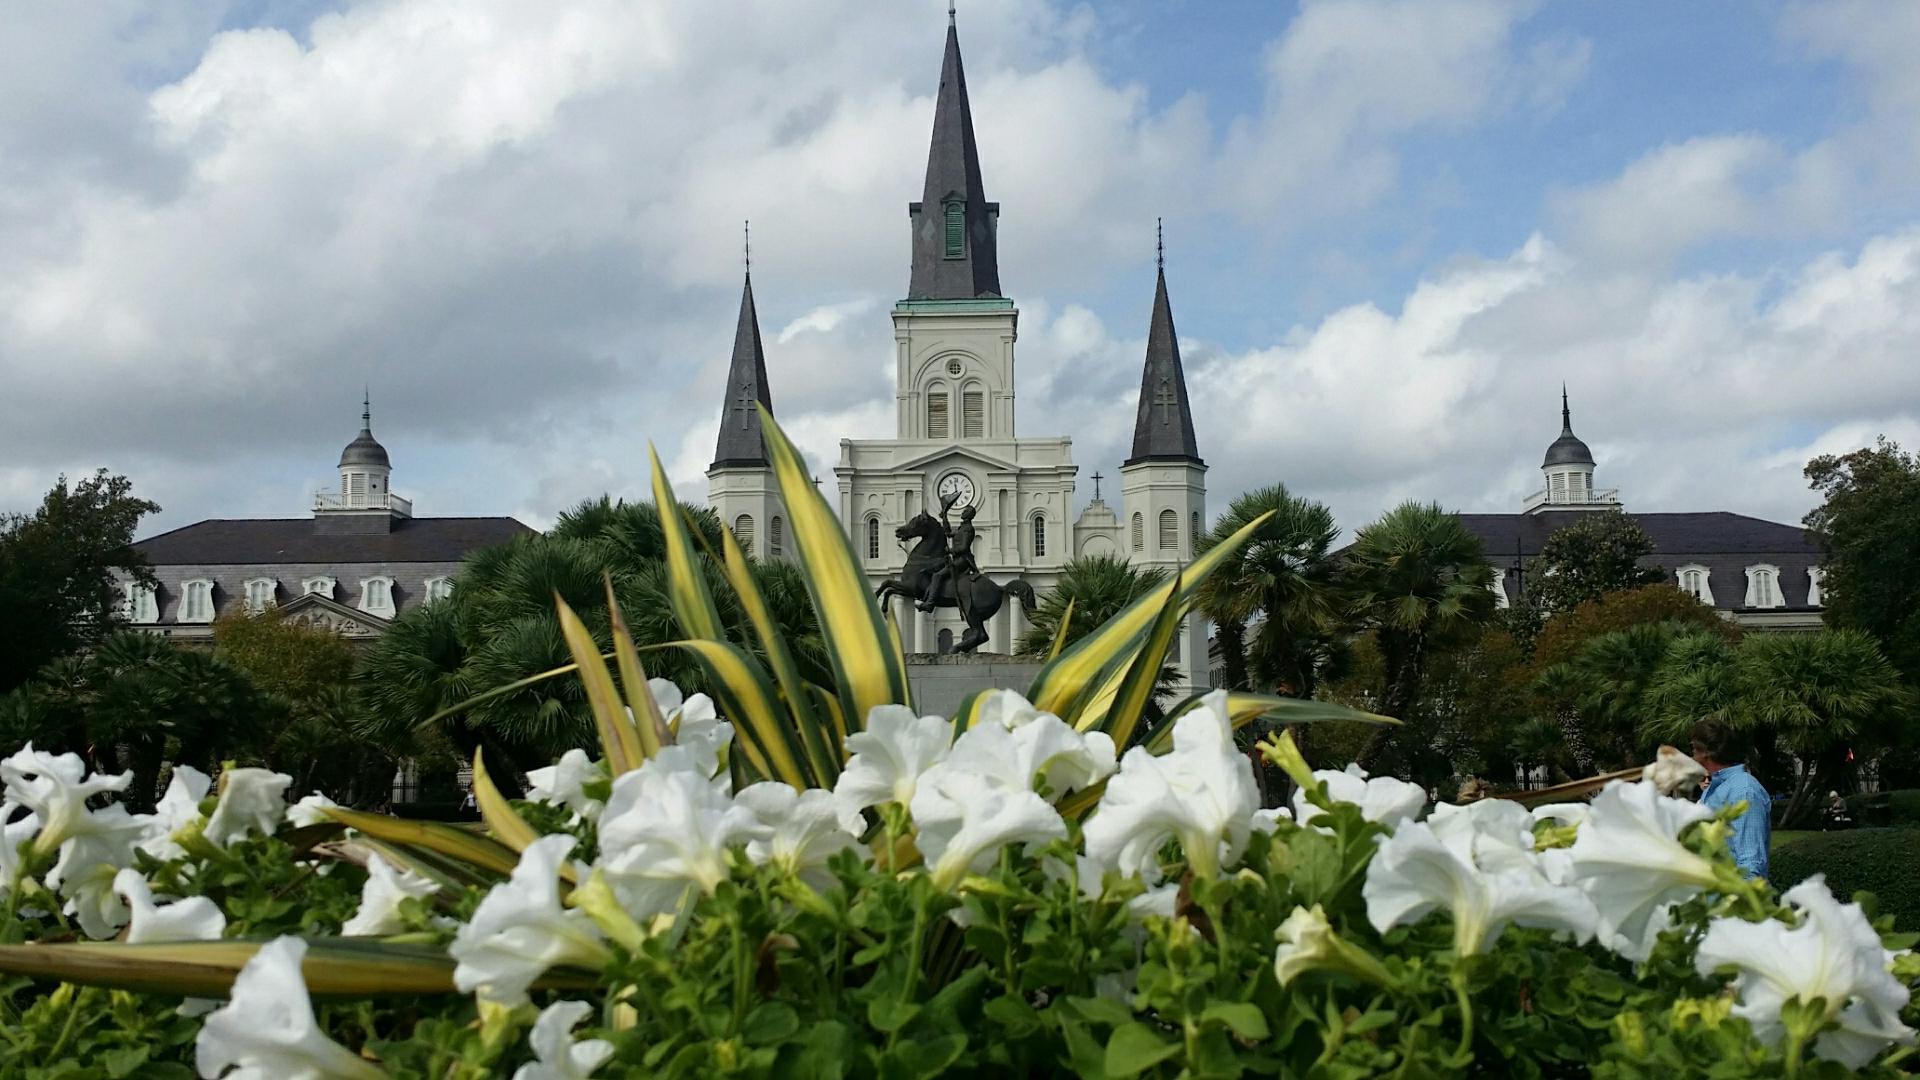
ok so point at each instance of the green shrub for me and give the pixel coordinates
(1898, 808)
(1879, 861)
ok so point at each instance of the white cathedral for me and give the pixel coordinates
(954, 336)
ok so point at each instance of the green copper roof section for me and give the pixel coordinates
(935, 307)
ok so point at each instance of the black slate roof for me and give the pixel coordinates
(1163, 424)
(953, 173)
(295, 540)
(740, 441)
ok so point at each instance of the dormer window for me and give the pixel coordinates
(142, 604)
(1693, 580)
(260, 593)
(956, 229)
(1816, 586)
(196, 601)
(376, 596)
(318, 586)
(1763, 586)
(439, 588)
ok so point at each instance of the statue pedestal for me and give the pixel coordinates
(941, 681)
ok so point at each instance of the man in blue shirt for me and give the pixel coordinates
(1729, 782)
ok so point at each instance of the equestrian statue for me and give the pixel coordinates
(941, 572)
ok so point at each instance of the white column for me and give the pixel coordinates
(1017, 624)
(922, 629)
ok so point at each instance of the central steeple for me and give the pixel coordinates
(740, 444)
(954, 255)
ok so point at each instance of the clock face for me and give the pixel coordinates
(958, 485)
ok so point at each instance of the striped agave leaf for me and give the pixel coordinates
(686, 584)
(460, 844)
(334, 967)
(746, 696)
(867, 666)
(1135, 691)
(1066, 678)
(1060, 632)
(643, 713)
(451, 874)
(619, 737)
(501, 818)
(1244, 708)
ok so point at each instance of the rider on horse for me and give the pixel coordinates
(959, 555)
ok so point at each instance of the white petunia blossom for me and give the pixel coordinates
(1673, 773)
(558, 1056)
(520, 930)
(1834, 954)
(267, 1028)
(1267, 819)
(381, 896)
(665, 829)
(193, 919)
(1492, 834)
(805, 830)
(1414, 872)
(89, 859)
(889, 756)
(1628, 859)
(964, 819)
(1562, 813)
(56, 788)
(564, 784)
(1201, 792)
(14, 836)
(177, 812)
(1043, 749)
(694, 724)
(1385, 799)
(251, 800)
(310, 810)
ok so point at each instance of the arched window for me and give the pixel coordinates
(1194, 536)
(743, 532)
(1039, 535)
(376, 596)
(973, 414)
(196, 601)
(946, 641)
(260, 593)
(1139, 531)
(1169, 530)
(938, 422)
(142, 603)
(1763, 586)
(1816, 586)
(776, 538)
(439, 588)
(873, 538)
(1694, 581)
(956, 229)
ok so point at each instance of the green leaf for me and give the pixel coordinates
(459, 844)
(618, 739)
(1135, 1048)
(502, 820)
(1135, 690)
(746, 696)
(686, 584)
(1243, 708)
(888, 1015)
(1243, 1017)
(772, 1022)
(1316, 865)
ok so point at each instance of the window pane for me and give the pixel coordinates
(937, 416)
(1039, 534)
(873, 538)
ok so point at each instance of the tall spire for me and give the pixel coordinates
(1566, 414)
(1163, 426)
(740, 442)
(1567, 449)
(366, 408)
(954, 250)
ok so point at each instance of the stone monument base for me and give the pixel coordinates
(941, 681)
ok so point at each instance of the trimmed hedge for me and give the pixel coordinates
(1900, 807)
(1879, 861)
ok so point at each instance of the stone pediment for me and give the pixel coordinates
(952, 451)
(323, 613)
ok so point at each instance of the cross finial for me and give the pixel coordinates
(1096, 486)
(951, 21)
(1566, 414)
(1159, 244)
(746, 233)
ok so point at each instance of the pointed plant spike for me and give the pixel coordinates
(1143, 674)
(828, 706)
(746, 696)
(1060, 632)
(459, 844)
(868, 670)
(501, 691)
(968, 711)
(451, 874)
(1243, 708)
(1067, 676)
(618, 739)
(649, 728)
(502, 819)
(686, 584)
(816, 738)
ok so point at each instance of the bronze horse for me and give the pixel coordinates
(983, 595)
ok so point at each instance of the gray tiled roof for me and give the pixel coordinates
(740, 441)
(953, 170)
(295, 540)
(1163, 424)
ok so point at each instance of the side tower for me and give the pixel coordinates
(1163, 484)
(365, 502)
(740, 484)
(1568, 472)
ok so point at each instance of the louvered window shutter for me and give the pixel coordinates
(956, 229)
(937, 416)
(973, 414)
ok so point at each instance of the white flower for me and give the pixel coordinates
(310, 810)
(1267, 819)
(381, 896)
(177, 812)
(520, 930)
(251, 800)
(694, 724)
(560, 1058)
(1201, 792)
(89, 859)
(267, 1028)
(56, 789)
(1563, 813)
(1385, 799)
(13, 836)
(1042, 748)
(806, 829)
(963, 820)
(1492, 834)
(889, 756)
(1309, 943)
(1629, 861)
(564, 783)
(1834, 954)
(193, 919)
(1673, 773)
(1414, 873)
(665, 829)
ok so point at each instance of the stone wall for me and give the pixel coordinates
(941, 682)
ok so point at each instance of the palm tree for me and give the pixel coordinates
(1284, 578)
(1098, 587)
(1415, 579)
(1603, 697)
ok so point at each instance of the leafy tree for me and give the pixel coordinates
(1280, 587)
(1601, 698)
(1586, 561)
(1567, 632)
(56, 571)
(1417, 580)
(1098, 587)
(1869, 528)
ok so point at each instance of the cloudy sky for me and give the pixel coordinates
(1393, 229)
